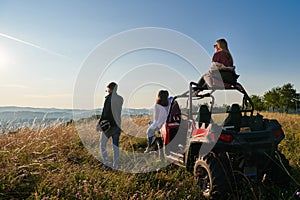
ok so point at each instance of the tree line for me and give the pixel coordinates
(284, 99)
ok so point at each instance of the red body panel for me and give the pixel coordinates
(165, 131)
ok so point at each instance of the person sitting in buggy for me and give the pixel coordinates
(174, 112)
(171, 126)
(221, 68)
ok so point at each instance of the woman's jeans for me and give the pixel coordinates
(114, 132)
(150, 134)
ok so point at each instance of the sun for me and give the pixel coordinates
(4, 59)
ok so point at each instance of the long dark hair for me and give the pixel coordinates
(162, 98)
(224, 46)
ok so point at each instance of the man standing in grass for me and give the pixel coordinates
(112, 113)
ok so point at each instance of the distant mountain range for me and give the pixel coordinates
(13, 117)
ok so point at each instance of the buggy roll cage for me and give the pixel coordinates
(195, 93)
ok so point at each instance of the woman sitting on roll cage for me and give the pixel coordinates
(222, 64)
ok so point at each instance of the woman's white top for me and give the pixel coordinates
(160, 115)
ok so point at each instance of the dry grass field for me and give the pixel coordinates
(53, 163)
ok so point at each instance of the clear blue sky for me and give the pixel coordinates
(43, 44)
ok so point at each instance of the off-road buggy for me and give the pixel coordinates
(224, 155)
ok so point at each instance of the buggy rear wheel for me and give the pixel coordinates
(212, 180)
(279, 172)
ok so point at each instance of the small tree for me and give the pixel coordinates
(258, 102)
(271, 98)
(288, 97)
(297, 101)
(284, 98)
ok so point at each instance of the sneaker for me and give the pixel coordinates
(107, 168)
(148, 149)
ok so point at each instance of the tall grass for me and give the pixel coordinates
(52, 163)
(290, 146)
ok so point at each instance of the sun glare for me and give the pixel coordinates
(4, 59)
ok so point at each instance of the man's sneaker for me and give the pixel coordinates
(107, 168)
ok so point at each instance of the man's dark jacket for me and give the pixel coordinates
(112, 109)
